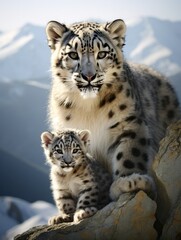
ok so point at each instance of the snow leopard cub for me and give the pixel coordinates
(80, 185)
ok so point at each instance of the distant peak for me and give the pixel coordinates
(29, 27)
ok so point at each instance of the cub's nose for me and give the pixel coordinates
(67, 159)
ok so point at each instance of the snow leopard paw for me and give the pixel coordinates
(84, 213)
(131, 183)
(60, 219)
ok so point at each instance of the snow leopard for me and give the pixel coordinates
(126, 107)
(80, 185)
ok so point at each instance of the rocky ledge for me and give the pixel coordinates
(133, 216)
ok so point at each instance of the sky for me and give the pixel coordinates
(14, 14)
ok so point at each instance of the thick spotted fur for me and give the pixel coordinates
(126, 107)
(80, 185)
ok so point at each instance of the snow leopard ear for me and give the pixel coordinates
(55, 31)
(84, 136)
(117, 30)
(46, 138)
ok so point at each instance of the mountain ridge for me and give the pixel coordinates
(149, 40)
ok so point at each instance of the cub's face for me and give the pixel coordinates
(66, 149)
(85, 55)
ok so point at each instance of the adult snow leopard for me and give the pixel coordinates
(126, 107)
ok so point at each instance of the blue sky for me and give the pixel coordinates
(14, 14)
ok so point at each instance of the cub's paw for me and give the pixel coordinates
(60, 219)
(84, 213)
(132, 183)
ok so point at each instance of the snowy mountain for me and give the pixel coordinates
(155, 43)
(24, 53)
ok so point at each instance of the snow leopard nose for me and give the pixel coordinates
(89, 77)
(67, 159)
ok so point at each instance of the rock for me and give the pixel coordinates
(172, 228)
(133, 216)
(167, 167)
(128, 218)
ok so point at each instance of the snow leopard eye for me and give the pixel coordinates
(59, 151)
(73, 55)
(75, 150)
(102, 54)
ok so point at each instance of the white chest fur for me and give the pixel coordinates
(85, 116)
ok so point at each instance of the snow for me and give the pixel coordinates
(134, 21)
(24, 54)
(147, 42)
(159, 53)
(17, 216)
(7, 38)
(15, 46)
(38, 84)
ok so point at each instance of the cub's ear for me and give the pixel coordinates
(117, 30)
(46, 138)
(55, 31)
(84, 136)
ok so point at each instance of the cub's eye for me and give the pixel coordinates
(75, 150)
(59, 151)
(101, 55)
(73, 55)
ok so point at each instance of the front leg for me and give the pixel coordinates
(65, 205)
(131, 152)
(87, 203)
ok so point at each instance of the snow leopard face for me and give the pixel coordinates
(84, 56)
(66, 149)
